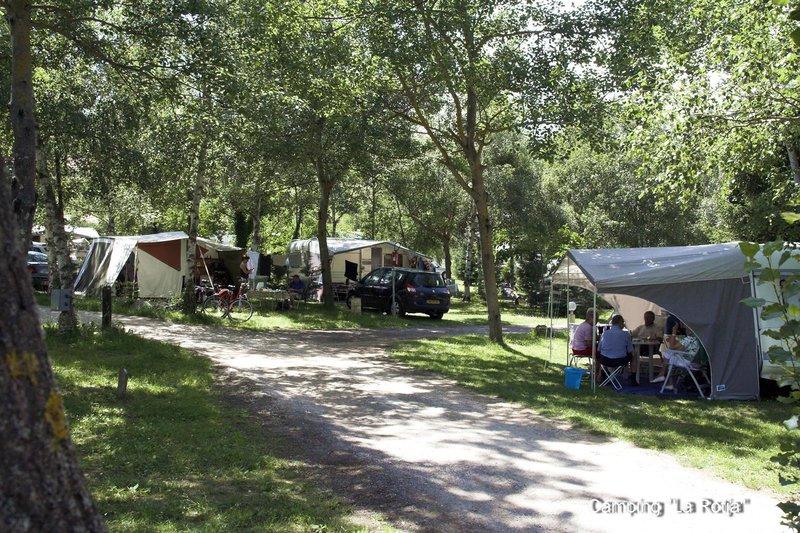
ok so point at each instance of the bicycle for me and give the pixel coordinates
(230, 303)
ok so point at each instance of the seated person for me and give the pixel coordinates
(672, 321)
(688, 344)
(582, 338)
(296, 286)
(616, 349)
(647, 331)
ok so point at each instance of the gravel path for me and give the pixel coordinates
(430, 455)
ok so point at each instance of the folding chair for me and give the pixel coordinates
(683, 360)
(612, 374)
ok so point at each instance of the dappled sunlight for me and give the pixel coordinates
(425, 451)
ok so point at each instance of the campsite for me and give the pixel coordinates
(445, 266)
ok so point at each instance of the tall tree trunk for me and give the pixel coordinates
(62, 269)
(334, 221)
(448, 260)
(298, 219)
(468, 260)
(41, 486)
(487, 262)
(189, 297)
(326, 185)
(794, 159)
(400, 222)
(372, 212)
(325, 188)
(256, 247)
(23, 122)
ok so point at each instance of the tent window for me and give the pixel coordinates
(295, 260)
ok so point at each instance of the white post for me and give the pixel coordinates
(394, 309)
(550, 314)
(569, 324)
(594, 337)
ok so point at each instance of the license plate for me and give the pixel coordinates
(434, 302)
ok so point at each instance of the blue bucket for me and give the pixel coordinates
(572, 377)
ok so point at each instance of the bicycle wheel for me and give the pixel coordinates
(240, 310)
(214, 307)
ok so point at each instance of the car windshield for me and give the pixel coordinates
(37, 257)
(428, 280)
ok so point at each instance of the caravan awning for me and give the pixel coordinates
(604, 269)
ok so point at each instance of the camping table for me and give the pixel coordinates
(651, 348)
(269, 295)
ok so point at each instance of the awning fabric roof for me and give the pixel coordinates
(607, 268)
(339, 246)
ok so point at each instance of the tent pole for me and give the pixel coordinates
(550, 331)
(203, 257)
(594, 337)
(569, 323)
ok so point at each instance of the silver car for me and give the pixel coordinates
(39, 269)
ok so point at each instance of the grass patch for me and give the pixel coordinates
(734, 440)
(314, 316)
(172, 456)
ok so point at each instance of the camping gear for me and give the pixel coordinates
(157, 262)
(303, 257)
(573, 377)
(701, 285)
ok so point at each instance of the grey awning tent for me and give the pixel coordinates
(701, 285)
(157, 262)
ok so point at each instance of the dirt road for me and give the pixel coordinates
(430, 455)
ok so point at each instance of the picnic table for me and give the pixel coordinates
(270, 297)
(652, 346)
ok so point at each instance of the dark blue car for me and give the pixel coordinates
(415, 291)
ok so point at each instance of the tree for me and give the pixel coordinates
(466, 71)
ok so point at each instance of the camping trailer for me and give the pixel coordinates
(701, 285)
(351, 259)
(157, 263)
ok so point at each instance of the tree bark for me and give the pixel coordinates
(487, 263)
(256, 246)
(189, 297)
(448, 260)
(62, 269)
(23, 121)
(372, 211)
(325, 188)
(468, 262)
(41, 486)
(794, 160)
(298, 218)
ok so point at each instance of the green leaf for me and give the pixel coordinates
(785, 256)
(772, 247)
(778, 354)
(793, 310)
(795, 35)
(769, 275)
(771, 311)
(749, 249)
(753, 302)
(789, 216)
(794, 14)
(780, 2)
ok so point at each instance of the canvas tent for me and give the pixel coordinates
(156, 262)
(701, 285)
(348, 255)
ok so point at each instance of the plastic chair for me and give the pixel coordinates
(683, 360)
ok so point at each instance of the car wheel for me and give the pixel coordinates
(397, 309)
(436, 316)
(349, 301)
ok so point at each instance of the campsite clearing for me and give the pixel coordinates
(192, 460)
(734, 440)
(314, 317)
